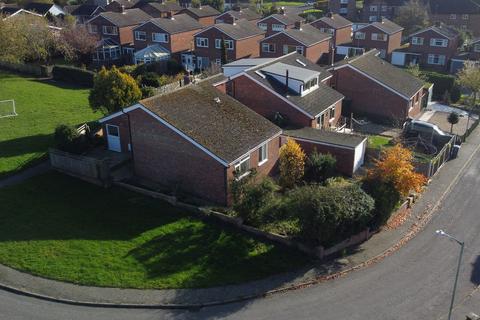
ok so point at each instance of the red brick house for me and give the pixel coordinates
(175, 34)
(232, 16)
(85, 12)
(290, 90)
(470, 55)
(278, 22)
(461, 14)
(375, 10)
(337, 26)
(241, 41)
(377, 89)
(432, 48)
(195, 140)
(158, 9)
(304, 39)
(120, 5)
(385, 36)
(114, 30)
(345, 8)
(205, 15)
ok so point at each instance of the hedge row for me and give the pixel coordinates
(442, 83)
(73, 75)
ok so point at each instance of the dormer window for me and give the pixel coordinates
(309, 86)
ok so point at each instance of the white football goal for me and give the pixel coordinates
(7, 108)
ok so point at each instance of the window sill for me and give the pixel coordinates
(262, 162)
(242, 176)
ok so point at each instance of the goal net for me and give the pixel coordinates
(7, 108)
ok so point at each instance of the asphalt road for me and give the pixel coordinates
(414, 283)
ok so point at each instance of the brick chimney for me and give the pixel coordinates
(298, 25)
(122, 9)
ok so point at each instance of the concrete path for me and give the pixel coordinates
(25, 174)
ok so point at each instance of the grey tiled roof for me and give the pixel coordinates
(336, 21)
(287, 19)
(85, 10)
(228, 129)
(166, 6)
(386, 26)
(307, 35)
(294, 72)
(387, 74)
(130, 17)
(247, 14)
(203, 11)
(455, 7)
(240, 30)
(330, 137)
(312, 103)
(176, 24)
(40, 8)
(446, 31)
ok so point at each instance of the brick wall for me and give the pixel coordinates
(393, 41)
(122, 123)
(270, 21)
(472, 23)
(340, 36)
(178, 42)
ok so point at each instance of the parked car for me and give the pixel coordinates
(415, 127)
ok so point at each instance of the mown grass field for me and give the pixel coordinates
(65, 229)
(41, 106)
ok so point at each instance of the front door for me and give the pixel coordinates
(113, 138)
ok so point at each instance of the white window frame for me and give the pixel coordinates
(140, 35)
(436, 59)
(453, 16)
(157, 35)
(228, 44)
(263, 154)
(418, 41)
(201, 42)
(331, 114)
(267, 46)
(239, 164)
(372, 19)
(465, 16)
(384, 8)
(437, 42)
(379, 37)
(263, 26)
(278, 27)
(299, 49)
(113, 33)
(218, 62)
(373, 8)
(476, 47)
(360, 35)
(92, 28)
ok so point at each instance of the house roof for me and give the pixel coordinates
(454, 7)
(129, 17)
(227, 128)
(443, 30)
(165, 6)
(385, 25)
(86, 10)
(390, 76)
(327, 137)
(203, 11)
(476, 40)
(240, 30)
(70, 8)
(41, 8)
(336, 21)
(307, 35)
(312, 103)
(248, 62)
(126, 3)
(294, 72)
(177, 24)
(247, 14)
(8, 10)
(286, 19)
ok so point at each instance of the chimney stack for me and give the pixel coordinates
(330, 15)
(298, 25)
(286, 81)
(122, 9)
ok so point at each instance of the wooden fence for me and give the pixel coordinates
(429, 168)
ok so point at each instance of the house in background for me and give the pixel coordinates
(278, 22)
(45, 9)
(432, 48)
(304, 39)
(377, 89)
(461, 14)
(85, 12)
(159, 9)
(241, 40)
(232, 16)
(169, 37)
(337, 26)
(114, 30)
(205, 15)
(471, 54)
(385, 36)
(195, 140)
(345, 8)
(376, 10)
(120, 5)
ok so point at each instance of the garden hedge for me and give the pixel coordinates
(442, 83)
(73, 75)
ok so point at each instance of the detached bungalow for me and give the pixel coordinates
(377, 89)
(196, 140)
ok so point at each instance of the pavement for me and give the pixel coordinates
(438, 113)
(379, 247)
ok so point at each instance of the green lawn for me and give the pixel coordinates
(279, 4)
(377, 142)
(41, 106)
(62, 228)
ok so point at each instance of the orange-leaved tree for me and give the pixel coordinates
(396, 166)
(292, 164)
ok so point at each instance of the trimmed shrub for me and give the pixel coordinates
(68, 139)
(73, 75)
(319, 167)
(150, 79)
(455, 94)
(386, 199)
(442, 83)
(147, 92)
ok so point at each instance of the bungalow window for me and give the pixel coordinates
(92, 28)
(417, 41)
(262, 154)
(360, 35)
(160, 37)
(436, 59)
(202, 42)
(110, 30)
(140, 35)
(263, 26)
(434, 42)
(278, 27)
(268, 47)
(242, 168)
(379, 37)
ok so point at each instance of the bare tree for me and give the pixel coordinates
(80, 44)
(412, 16)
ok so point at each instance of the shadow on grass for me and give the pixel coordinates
(25, 145)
